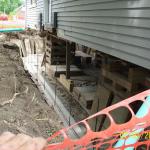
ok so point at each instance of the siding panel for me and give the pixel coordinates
(118, 27)
(32, 14)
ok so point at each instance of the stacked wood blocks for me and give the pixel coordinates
(56, 50)
(122, 79)
(99, 59)
(118, 80)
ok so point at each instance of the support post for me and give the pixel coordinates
(68, 57)
(41, 22)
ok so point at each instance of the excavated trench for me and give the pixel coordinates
(22, 107)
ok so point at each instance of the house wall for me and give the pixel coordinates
(117, 27)
(33, 12)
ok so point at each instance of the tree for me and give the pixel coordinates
(9, 6)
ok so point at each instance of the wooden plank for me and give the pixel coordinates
(119, 92)
(82, 54)
(24, 51)
(101, 101)
(118, 79)
(55, 40)
(67, 83)
(28, 46)
(58, 59)
(113, 67)
(85, 78)
(33, 47)
(85, 96)
(57, 54)
(131, 73)
(56, 70)
(87, 99)
(59, 48)
(39, 44)
(137, 74)
(21, 45)
(85, 58)
(79, 91)
(101, 98)
(147, 82)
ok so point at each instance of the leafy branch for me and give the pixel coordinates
(9, 6)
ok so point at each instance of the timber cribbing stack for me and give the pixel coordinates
(55, 52)
(122, 78)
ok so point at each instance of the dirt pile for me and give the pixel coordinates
(22, 108)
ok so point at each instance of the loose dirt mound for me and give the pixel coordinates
(22, 108)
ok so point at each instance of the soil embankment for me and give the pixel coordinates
(22, 107)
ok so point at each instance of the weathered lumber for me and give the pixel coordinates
(56, 70)
(67, 83)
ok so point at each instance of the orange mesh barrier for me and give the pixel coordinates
(98, 137)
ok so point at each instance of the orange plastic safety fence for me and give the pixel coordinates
(101, 138)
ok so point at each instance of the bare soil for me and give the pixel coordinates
(22, 107)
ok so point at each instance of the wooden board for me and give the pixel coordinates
(28, 46)
(101, 101)
(85, 58)
(84, 80)
(79, 91)
(118, 79)
(87, 99)
(121, 85)
(67, 83)
(56, 70)
(82, 54)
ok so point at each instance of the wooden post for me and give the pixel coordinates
(68, 57)
(109, 103)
